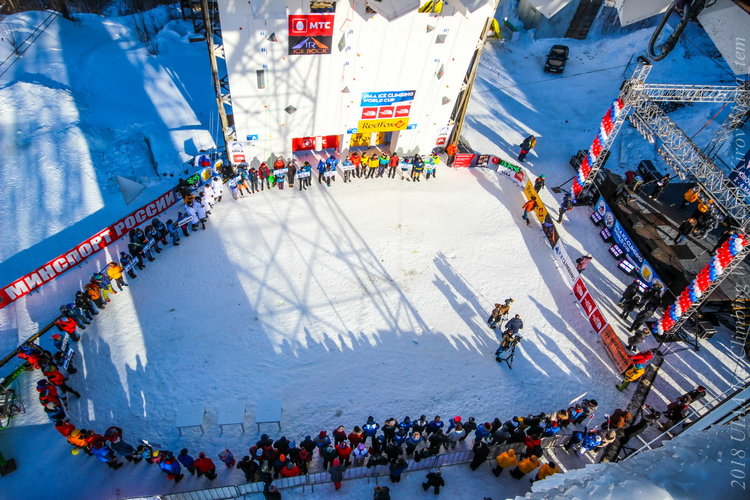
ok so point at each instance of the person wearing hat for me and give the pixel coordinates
(526, 146)
(227, 458)
(481, 451)
(249, 467)
(171, 467)
(105, 454)
(322, 441)
(434, 480)
(582, 262)
(290, 470)
(649, 416)
(696, 394)
(631, 375)
(359, 455)
(397, 468)
(205, 466)
(68, 325)
(187, 461)
(270, 492)
(545, 471)
(337, 473)
(504, 460)
(125, 260)
(75, 312)
(539, 183)
(608, 437)
(525, 466)
(528, 207)
(499, 313)
(381, 493)
(637, 338)
(114, 271)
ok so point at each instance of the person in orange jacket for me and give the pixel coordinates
(527, 465)
(504, 460)
(545, 471)
(451, 151)
(529, 207)
(58, 379)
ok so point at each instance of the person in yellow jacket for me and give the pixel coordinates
(504, 460)
(631, 375)
(545, 471)
(372, 164)
(114, 271)
(691, 196)
(527, 465)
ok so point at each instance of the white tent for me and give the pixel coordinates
(728, 25)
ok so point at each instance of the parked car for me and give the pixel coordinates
(556, 59)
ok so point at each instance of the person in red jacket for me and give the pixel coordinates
(304, 458)
(642, 357)
(392, 164)
(529, 207)
(356, 436)
(357, 162)
(205, 465)
(344, 450)
(339, 435)
(64, 428)
(68, 325)
(263, 173)
(290, 470)
(58, 379)
(532, 442)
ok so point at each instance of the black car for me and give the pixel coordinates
(556, 59)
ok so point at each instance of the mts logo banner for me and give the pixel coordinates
(310, 34)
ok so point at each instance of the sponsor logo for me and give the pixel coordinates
(384, 125)
(385, 112)
(369, 113)
(311, 25)
(402, 111)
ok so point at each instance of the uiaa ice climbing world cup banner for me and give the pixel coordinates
(310, 34)
(620, 236)
(78, 254)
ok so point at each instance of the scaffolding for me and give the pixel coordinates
(683, 156)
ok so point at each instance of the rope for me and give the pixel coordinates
(709, 121)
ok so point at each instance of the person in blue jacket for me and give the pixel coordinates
(304, 181)
(400, 436)
(174, 232)
(104, 453)
(171, 467)
(187, 461)
(434, 425)
(322, 167)
(370, 428)
(396, 469)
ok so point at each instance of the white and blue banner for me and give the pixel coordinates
(620, 236)
(387, 98)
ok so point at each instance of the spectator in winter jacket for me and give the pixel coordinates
(514, 325)
(417, 168)
(382, 164)
(370, 429)
(420, 425)
(359, 455)
(114, 271)
(690, 196)
(344, 451)
(270, 492)
(565, 206)
(308, 444)
(392, 164)
(631, 375)
(454, 435)
(481, 452)
(684, 230)
(227, 458)
(173, 231)
(637, 338)
(640, 318)
(322, 441)
(105, 454)
(649, 417)
(329, 454)
(545, 471)
(504, 460)
(525, 466)
(186, 460)
(68, 325)
(539, 183)
(126, 259)
(412, 442)
(389, 429)
(337, 473)
(527, 145)
(205, 466)
(396, 469)
(290, 470)
(528, 208)
(114, 436)
(499, 313)
(434, 480)
(434, 425)
(339, 435)
(171, 467)
(533, 445)
(582, 262)
(76, 313)
(249, 468)
(630, 291)
(94, 292)
(356, 436)
(58, 379)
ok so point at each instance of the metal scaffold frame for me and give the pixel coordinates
(681, 154)
(205, 17)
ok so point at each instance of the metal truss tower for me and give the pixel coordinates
(638, 100)
(205, 17)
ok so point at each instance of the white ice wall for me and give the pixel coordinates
(377, 55)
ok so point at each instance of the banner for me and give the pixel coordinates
(565, 264)
(613, 345)
(386, 98)
(463, 160)
(529, 191)
(741, 175)
(78, 254)
(310, 34)
(620, 236)
(367, 126)
(239, 152)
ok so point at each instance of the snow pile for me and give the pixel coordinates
(83, 104)
(696, 466)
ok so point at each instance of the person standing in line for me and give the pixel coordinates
(173, 232)
(637, 338)
(337, 473)
(504, 460)
(640, 318)
(631, 375)
(322, 168)
(417, 168)
(382, 164)
(528, 208)
(114, 271)
(499, 313)
(187, 461)
(397, 468)
(264, 173)
(306, 181)
(205, 466)
(629, 305)
(392, 165)
(291, 172)
(357, 162)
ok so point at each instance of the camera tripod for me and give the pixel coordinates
(508, 359)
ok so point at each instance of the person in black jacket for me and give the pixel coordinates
(630, 291)
(629, 305)
(481, 452)
(435, 480)
(270, 492)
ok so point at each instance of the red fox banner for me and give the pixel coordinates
(84, 250)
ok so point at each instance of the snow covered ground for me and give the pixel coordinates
(363, 299)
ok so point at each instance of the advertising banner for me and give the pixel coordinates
(588, 304)
(387, 98)
(579, 289)
(367, 126)
(613, 345)
(529, 191)
(620, 236)
(310, 34)
(463, 160)
(597, 320)
(565, 263)
(78, 254)
(239, 152)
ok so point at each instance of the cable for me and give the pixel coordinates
(709, 121)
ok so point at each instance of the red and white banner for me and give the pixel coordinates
(78, 254)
